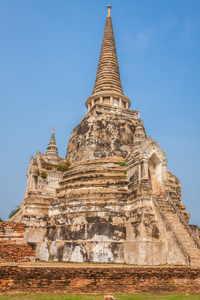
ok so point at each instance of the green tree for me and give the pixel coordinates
(14, 211)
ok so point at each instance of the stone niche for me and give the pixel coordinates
(155, 173)
(148, 162)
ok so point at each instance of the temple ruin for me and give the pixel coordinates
(112, 199)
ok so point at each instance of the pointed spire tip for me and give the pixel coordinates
(52, 151)
(109, 8)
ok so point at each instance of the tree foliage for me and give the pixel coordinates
(13, 212)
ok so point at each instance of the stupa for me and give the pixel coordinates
(112, 199)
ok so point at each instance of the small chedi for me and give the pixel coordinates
(111, 199)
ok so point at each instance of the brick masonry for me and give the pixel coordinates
(9, 251)
(8, 228)
(12, 247)
(100, 279)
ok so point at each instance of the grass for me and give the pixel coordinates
(61, 296)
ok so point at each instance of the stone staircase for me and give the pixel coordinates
(182, 231)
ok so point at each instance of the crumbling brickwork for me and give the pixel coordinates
(10, 251)
(100, 279)
(12, 247)
(10, 228)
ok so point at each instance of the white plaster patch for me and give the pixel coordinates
(54, 211)
(34, 235)
(67, 251)
(101, 238)
(79, 220)
(102, 253)
(42, 252)
(100, 213)
(142, 252)
(77, 223)
(77, 254)
(117, 220)
(53, 251)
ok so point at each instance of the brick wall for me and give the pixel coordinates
(10, 251)
(11, 229)
(12, 247)
(100, 279)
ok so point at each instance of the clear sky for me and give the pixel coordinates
(49, 53)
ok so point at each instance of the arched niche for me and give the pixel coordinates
(155, 173)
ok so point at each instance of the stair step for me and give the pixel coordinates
(181, 231)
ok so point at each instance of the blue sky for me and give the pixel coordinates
(48, 60)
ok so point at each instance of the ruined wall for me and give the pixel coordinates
(101, 135)
(12, 246)
(174, 191)
(150, 240)
(81, 251)
(100, 279)
(137, 235)
(11, 230)
(85, 237)
(43, 177)
(10, 251)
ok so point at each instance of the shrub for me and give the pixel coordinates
(13, 212)
(125, 172)
(123, 164)
(44, 175)
(171, 181)
(1, 220)
(68, 163)
(63, 167)
(47, 166)
(38, 172)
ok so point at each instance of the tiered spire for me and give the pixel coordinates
(139, 134)
(108, 76)
(52, 151)
(108, 83)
